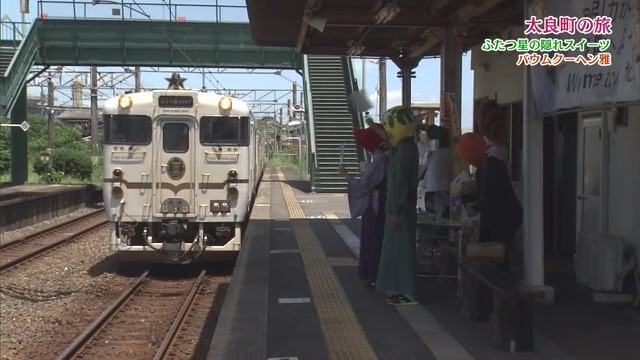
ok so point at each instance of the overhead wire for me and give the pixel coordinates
(142, 12)
(174, 44)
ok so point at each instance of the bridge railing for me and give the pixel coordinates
(162, 10)
(12, 32)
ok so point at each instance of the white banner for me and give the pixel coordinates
(575, 84)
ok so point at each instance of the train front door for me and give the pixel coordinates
(175, 168)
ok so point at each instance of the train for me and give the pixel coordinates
(181, 169)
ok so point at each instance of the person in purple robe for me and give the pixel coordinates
(366, 195)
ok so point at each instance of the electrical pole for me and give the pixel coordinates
(294, 89)
(43, 107)
(364, 65)
(94, 110)
(382, 88)
(204, 88)
(50, 100)
(24, 9)
(136, 75)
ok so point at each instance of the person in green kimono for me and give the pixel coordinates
(396, 273)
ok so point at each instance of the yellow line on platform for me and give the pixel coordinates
(342, 261)
(342, 331)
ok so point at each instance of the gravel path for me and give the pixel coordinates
(45, 303)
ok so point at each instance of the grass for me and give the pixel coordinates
(288, 161)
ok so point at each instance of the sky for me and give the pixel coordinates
(425, 87)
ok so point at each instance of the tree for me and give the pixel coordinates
(5, 151)
(70, 152)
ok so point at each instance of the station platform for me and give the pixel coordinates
(295, 294)
(27, 204)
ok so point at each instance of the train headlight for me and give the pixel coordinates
(117, 193)
(125, 101)
(225, 103)
(232, 193)
(117, 173)
(233, 173)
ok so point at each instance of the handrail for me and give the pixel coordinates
(309, 109)
(20, 65)
(350, 78)
(13, 29)
(352, 86)
(132, 10)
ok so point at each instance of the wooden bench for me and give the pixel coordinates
(512, 304)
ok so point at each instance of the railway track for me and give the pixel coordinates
(145, 321)
(19, 251)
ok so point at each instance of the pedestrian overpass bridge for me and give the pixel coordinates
(328, 80)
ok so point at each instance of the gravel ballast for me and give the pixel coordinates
(48, 301)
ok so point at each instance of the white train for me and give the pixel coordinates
(181, 168)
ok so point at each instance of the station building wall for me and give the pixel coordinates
(497, 76)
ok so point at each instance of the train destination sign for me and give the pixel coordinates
(175, 101)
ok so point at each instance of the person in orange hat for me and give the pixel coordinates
(367, 198)
(500, 210)
(501, 213)
(493, 127)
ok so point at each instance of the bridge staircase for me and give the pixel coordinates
(15, 64)
(6, 55)
(328, 82)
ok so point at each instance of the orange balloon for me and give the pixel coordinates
(472, 148)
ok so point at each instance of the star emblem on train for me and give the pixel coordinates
(176, 82)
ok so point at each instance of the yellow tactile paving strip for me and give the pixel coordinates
(342, 261)
(342, 331)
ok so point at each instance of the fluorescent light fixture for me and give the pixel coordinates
(387, 13)
(315, 22)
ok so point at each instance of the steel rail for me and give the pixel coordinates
(97, 324)
(11, 263)
(51, 228)
(173, 331)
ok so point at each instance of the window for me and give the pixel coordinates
(621, 116)
(127, 129)
(175, 137)
(224, 130)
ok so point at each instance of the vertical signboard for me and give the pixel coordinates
(24, 6)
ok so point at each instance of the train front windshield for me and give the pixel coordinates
(127, 129)
(227, 130)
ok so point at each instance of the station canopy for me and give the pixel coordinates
(411, 28)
